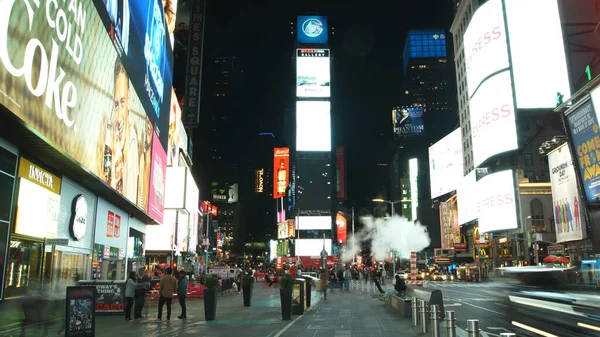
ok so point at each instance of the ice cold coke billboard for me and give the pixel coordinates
(61, 74)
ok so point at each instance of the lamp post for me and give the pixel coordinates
(392, 203)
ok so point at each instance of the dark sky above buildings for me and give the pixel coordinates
(366, 73)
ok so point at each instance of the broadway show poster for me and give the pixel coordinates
(408, 121)
(61, 74)
(141, 35)
(158, 178)
(110, 296)
(80, 316)
(566, 201)
(583, 124)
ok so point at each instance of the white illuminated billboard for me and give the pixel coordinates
(413, 174)
(537, 53)
(446, 164)
(496, 202)
(313, 222)
(485, 45)
(493, 124)
(161, 237)
(312, 247)
(313, 73)
(313, 126)
(466, 198)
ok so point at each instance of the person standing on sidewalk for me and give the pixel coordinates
(324, 276)
(130, 294)
(383, 275)
(167, 286)
(182, 289)
(141, 288)
(347, 278)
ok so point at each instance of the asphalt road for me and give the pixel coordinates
(483, 301)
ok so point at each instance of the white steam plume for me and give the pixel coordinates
(383, 235)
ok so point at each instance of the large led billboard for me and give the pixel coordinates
(496, 202)
(466, 198)
(485, 44)
(446, 164)
(312, 247)
(313, 222)
(313, 126)
(281, 171)
(492, 120)
(340, 173)
(312, 29)
(102, 99)
(313, 73)
(342, 227)
(413, 175)
(569, 219)
(537, 53)
(408, 121)
(583, 124)
(313, 187)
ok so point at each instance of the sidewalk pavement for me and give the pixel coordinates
(342, 314)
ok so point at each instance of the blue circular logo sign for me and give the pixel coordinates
(312, 27)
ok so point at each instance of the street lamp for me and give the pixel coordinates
(392, 203)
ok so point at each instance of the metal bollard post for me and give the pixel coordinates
(450, 324)
(423, 315)
(508, 334)
(414, 305)
(434, 315)
(473, 328)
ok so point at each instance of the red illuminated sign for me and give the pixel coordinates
(341, 225)
(281, 171)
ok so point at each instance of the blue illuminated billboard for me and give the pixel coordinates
(430, 43)
(312, 29)
(408, 121)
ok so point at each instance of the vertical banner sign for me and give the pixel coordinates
(191, 116)
(340, 160)
(80, 318)
(341, 224)
(583, 124)
(281, 169)
(110, 224)
(566, 202)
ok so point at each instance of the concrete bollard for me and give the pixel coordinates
(473, 328)
(414, 305)
(450, 323)
(434, 316)
(423, 315)
(508, 334)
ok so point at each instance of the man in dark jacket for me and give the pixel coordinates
(141, 288)
(182, 289)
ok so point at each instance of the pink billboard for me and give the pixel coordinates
(156, 197)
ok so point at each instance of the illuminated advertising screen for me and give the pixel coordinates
(312, 247)
(313, 126)
(175, 129)
(158, 176)
(282, 230)
(313, 222)
(446, 164)
(569, 219)
(408, 121)
(486, 50)
(466, 198)
(141, 37)
(259, 181)
(340, 176)
(313, 187)
(537, 53)
(496, 202)
(342, 227)
(583, 123)
(312, 73)
(493, 118)
(413, 175)
(281, 171)
(69, 84)
(312, 29)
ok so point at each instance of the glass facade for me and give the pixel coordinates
(8, 168)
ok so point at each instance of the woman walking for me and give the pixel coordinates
(130, 294)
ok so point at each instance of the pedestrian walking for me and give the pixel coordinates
(324, 276)
(141, 288)
(347, 278)
(167, 287)
(383, 276)
(182, 289)
(130, 294)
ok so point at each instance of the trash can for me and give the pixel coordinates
(299, 296)
(309, 282)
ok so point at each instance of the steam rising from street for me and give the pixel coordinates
(384, 235)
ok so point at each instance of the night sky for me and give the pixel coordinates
(366, 72)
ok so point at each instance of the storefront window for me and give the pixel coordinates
(69, 268)
(25, 268)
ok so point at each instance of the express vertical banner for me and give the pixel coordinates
(340, 160)
(191, 116)
(568, 208)
(583, 124)
(281, 169)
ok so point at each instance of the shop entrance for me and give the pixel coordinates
(27, 267)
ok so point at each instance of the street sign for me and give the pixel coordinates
(57, 242)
